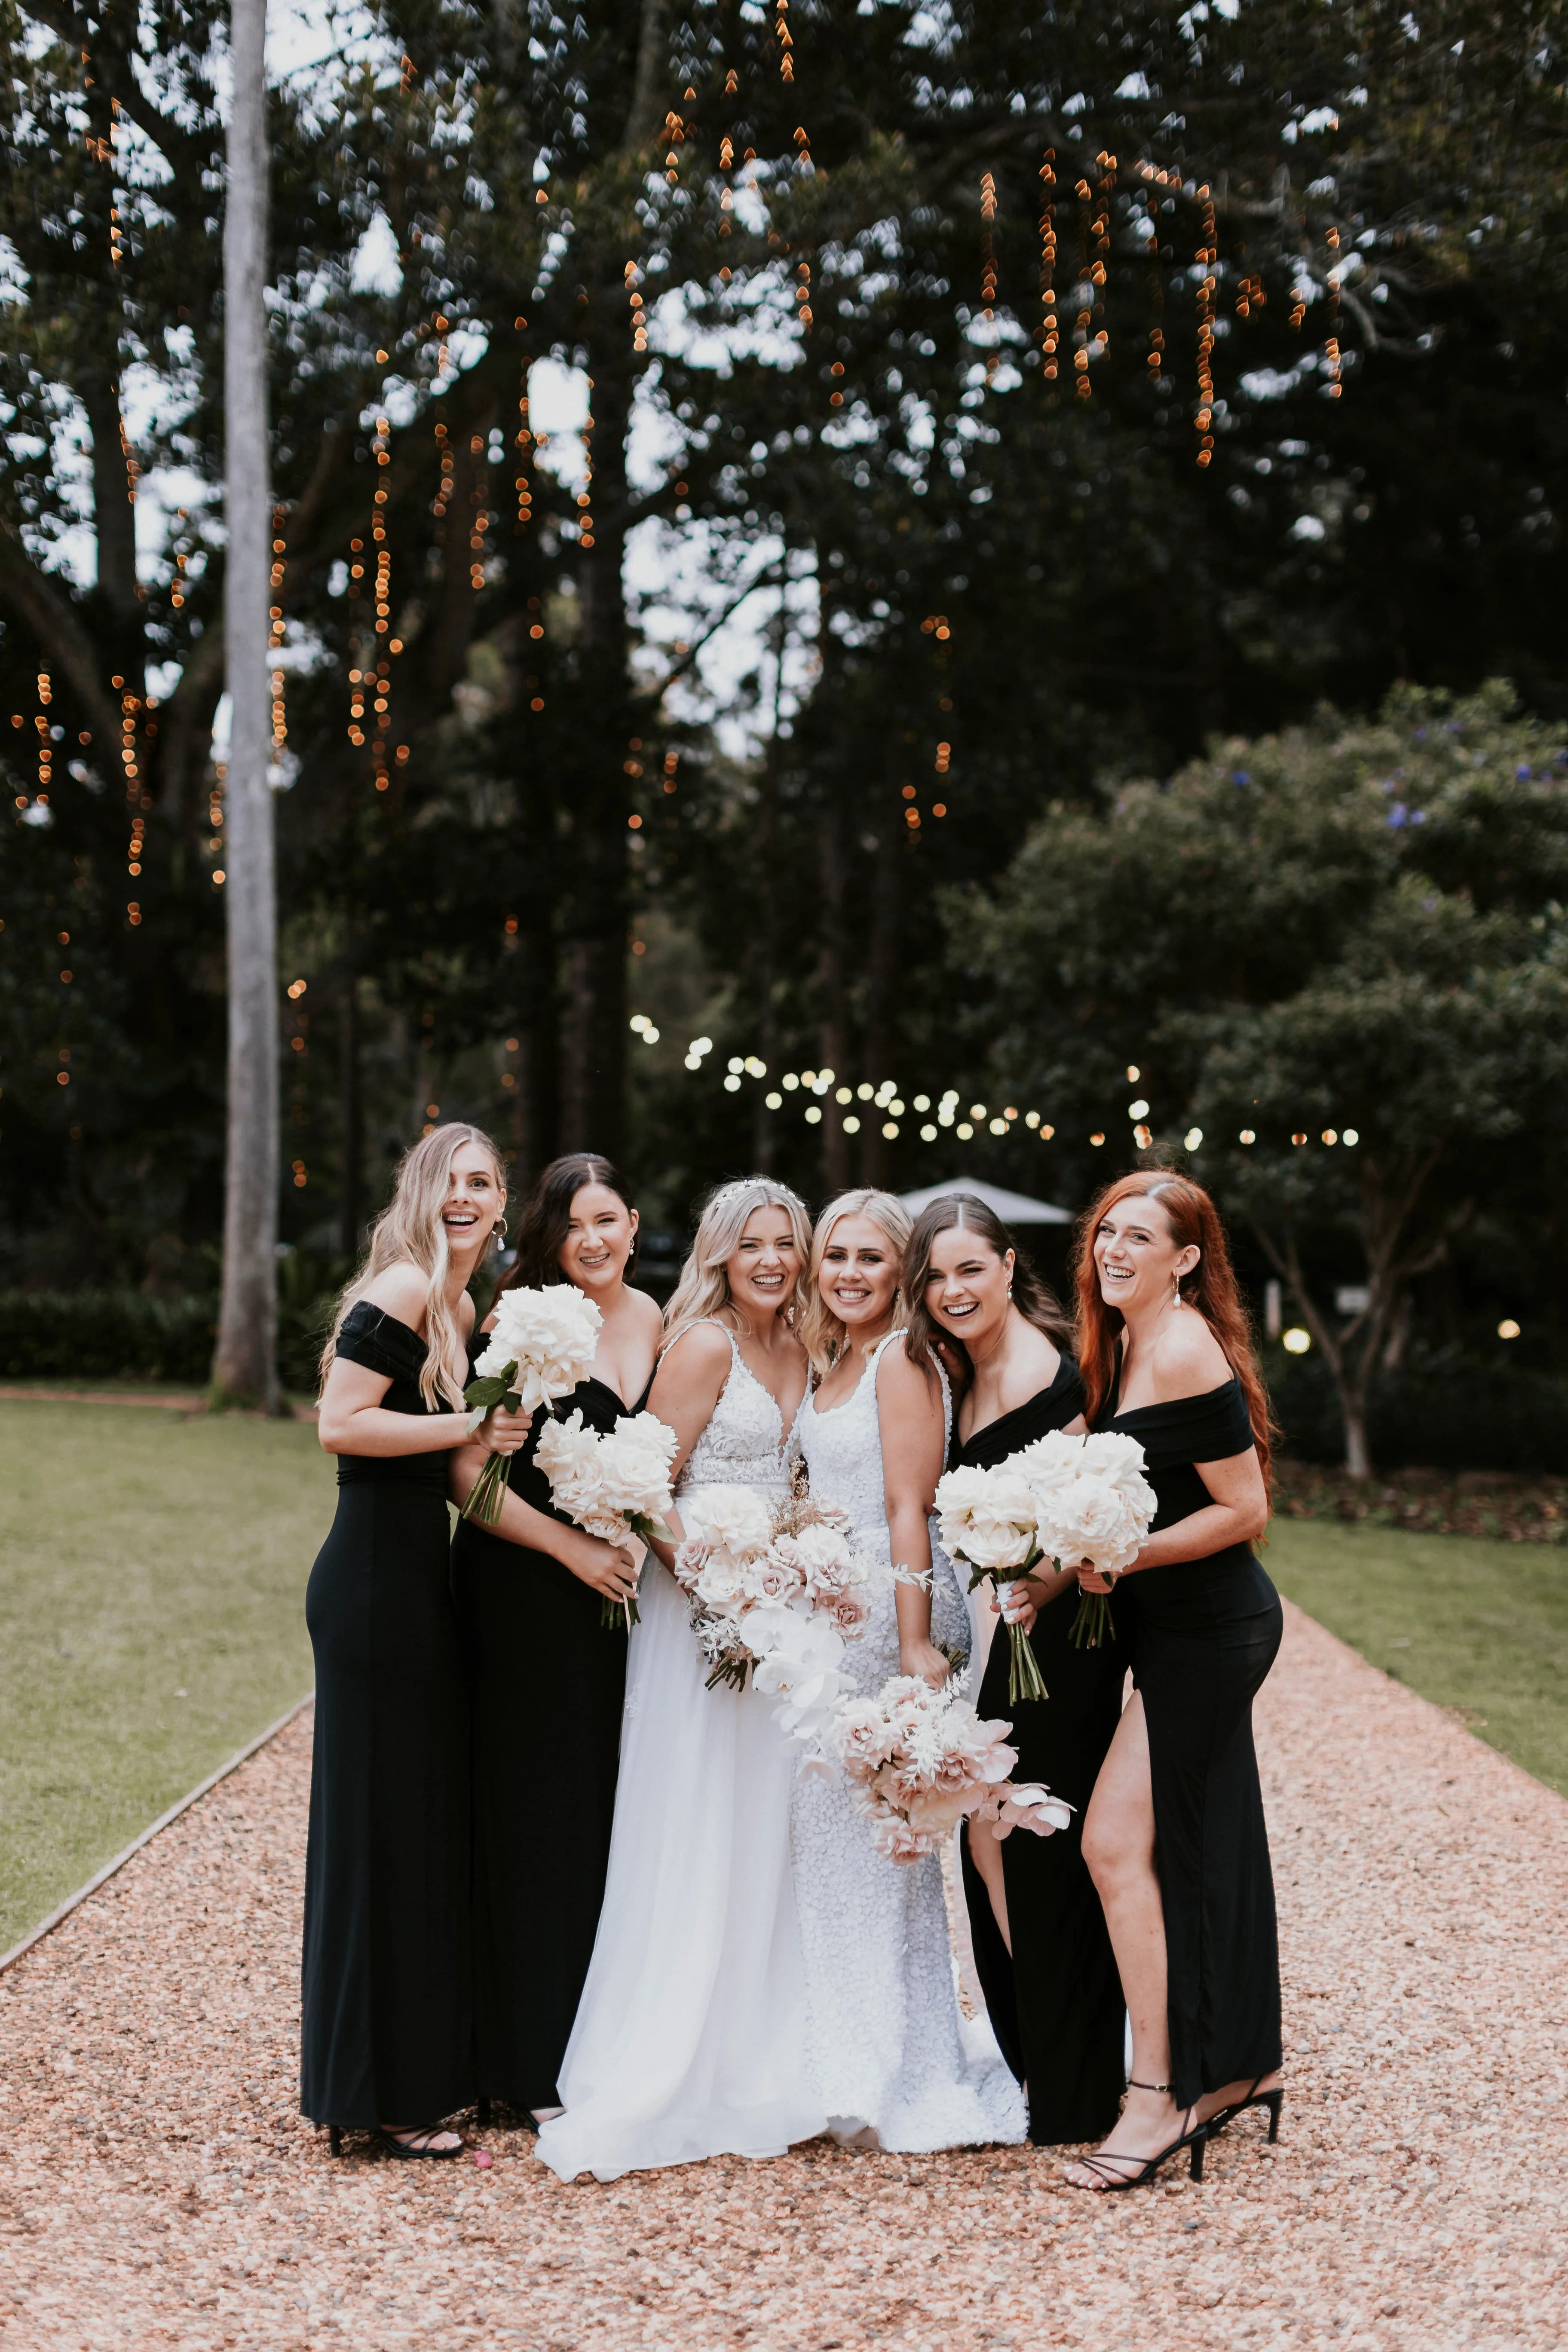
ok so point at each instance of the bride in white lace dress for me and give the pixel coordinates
(886, 2043)
(690, 2040)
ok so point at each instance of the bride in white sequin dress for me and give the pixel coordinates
(888, 2052)
(690, 2037)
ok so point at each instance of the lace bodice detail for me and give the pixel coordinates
(744, 1444)
(843, 1450)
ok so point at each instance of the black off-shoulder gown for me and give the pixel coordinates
(1201, 1635)
(1056, 2006)
(547, 1682)
(387, 2024)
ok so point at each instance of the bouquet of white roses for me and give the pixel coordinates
(1095, 1505)
(614, 1484)
(989, 1518)
(542, 1347)
(920, 1759)
(774, 1587)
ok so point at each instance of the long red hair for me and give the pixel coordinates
(1211, 1287)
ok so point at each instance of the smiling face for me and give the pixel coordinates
(1136, 1257)
(966, 1286)
(599, 1239)
(858, 1277)
(764, 1266)
(475, 1198)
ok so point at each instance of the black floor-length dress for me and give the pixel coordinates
(1202, 1634)
(547, 1683)
(387, 2025)
(1056, 2007)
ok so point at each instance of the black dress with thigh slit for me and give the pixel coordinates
(1056, 2007)
(1201, 1635)
(387, 2025)
(547, 1681)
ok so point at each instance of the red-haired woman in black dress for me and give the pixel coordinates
(1175, 1836)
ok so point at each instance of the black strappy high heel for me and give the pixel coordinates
(396, 2146)
(1273, 2100)
(1104, 2163)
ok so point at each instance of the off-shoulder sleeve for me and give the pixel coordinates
(1198, 1429)
(381, 1343)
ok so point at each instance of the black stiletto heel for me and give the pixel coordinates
(335, 2138)
(1273, 2100)
(1104, 2163)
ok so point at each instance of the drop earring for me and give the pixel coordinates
(1175, 1291)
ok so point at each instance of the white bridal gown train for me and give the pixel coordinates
(887, 2051)
(690, 2040)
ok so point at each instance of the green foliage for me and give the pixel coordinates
(105, 1335)
(1338, 962)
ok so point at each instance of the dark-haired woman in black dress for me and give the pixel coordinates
(1041, 1949)
(387, 2011)
(546, 1677)
(1175, 1835)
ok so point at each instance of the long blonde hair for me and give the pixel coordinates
(704, 1286)
(409, 1232)
(822, 1332)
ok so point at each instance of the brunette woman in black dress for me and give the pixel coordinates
(1175, 1836)
(546, 1675)
(1040, 1946)
(387, 2025)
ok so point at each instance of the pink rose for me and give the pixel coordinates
(849, 1612)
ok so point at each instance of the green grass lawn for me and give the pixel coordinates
(152, 1573)
(1479, 1626)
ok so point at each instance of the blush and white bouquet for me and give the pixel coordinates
(542, 1347)
(1095, 1507)
(777, 1590)
(614, 1484)
(919, 1760)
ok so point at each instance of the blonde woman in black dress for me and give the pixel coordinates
(387, 2011)
(1175, 1836)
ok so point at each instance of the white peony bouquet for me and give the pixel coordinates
(1070, 1501)
(777, 1590)
(542, 1347)
(1095, 1507)
(614, 1484)
(920, 1759)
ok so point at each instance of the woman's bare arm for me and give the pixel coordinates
(910, 1416)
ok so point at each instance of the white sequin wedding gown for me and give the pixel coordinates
(887, 2049)
(690, 2039)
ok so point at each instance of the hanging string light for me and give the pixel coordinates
(781, 33)
(522, 443)
(1085, 318)
(1208, 255)
(1100, 232)
(46, 744)
(1331, 338)
(1048, 263)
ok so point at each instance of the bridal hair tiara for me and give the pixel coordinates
(740, 1184)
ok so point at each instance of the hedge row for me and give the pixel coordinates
(1443, 1409)
(105, 1335)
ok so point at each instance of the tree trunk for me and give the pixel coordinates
(594, 1062)
(831, 983)
(1358, 1454)
(244, 1366)
(763, 1127)
(881, 979)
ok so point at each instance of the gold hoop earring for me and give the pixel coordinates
(499, 1228)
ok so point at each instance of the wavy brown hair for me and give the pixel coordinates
(1210, 1287)
(1034, 1299)
(547, 1218)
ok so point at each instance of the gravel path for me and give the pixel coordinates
(158, 2188)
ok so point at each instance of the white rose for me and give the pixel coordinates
(988, 1517)
(736, 1518)
(568, 1453)
(549, 1334)
(1048, 1461)
(633, 1465)
(821, 1557)
(1089, 1520)
(1118, 1460)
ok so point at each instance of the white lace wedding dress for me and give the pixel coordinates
(690, 2039)
(887, 2049)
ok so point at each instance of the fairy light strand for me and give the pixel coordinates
(1048, 336)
